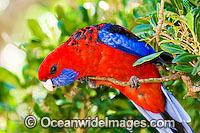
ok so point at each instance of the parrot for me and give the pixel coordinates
(109, 50)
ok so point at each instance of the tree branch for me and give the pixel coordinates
(160, 22)
(192, 89)
(150, 80)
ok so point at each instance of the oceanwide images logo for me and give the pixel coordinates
(46, 122)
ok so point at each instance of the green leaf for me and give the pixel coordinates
(60, 12)
(157, 9)
(198, 30)
(196, 68)
(154, 19)
(190, 20)
(139, 11)
(178, 4)
(172, 48)
(84, 13)
(146, 2)
(142, 28)
(184, 58)
(177, 42)
(147, 58)
(141, 21)
(61, 102)
(36, 29)
(93, 93)
(124, 22)
(184, 68)
(120, 103)
(40, 113)
(193, 2)
(196, 12)
(186, 5)
(124, 2)
(125, 112)
(10, 78)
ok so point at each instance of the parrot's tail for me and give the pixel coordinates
(180, 127)
(173, 111)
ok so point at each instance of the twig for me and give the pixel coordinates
(151, 39)
(160, 22)
(192, 90)
(184, 31)
(188, 82)
(150, 80)
(165, 38)
(168, 36)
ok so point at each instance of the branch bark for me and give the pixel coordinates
(193, 90)
(160, 22)
(149, 80)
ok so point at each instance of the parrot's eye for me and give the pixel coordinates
(53, 69)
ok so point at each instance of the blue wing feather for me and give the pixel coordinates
(124, 41)
(174, 108)
(120, 39)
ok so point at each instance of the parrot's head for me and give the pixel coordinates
(53, 71)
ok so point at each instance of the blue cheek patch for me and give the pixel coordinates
(66, 77)
(123, 43)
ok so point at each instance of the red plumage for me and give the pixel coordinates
(85, 53)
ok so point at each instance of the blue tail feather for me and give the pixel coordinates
(174, 109)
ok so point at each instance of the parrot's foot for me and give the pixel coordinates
(83, 79)
(134, 82)
(91, 83)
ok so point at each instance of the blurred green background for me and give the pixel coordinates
(31, 29)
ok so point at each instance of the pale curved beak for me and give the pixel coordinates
(49, 85)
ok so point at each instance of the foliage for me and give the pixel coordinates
(22, 96)
(179, 37)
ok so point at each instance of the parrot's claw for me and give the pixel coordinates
(134, 82)
(91, 83)
(83, 80)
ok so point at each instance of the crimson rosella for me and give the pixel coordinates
(109, 50)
